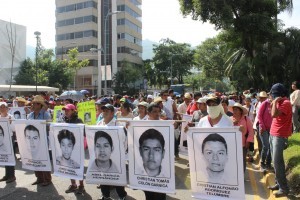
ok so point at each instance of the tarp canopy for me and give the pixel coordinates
(28, 88)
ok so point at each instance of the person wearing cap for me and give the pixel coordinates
(182, 108)
(295, 101)
(281, 129)
(216, 116)
(9, 170)
(109, 120)
(240, 118)
(117, 99)
(202, 110)
(159, 102)
(39, 113)
(150, 98)
(101, 102)
(142, 110)
(264, 121)
(71, 117)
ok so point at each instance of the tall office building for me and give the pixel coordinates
(113, 27)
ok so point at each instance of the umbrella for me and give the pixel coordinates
(74, 95)
(84, 91)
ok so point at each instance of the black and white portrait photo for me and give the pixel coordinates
(33, 144)
(103, 148)
(67, 142)
(107, 155)
(151, 155)
(7, 157)
(18, 112)
(152, 151)
(215, 157)
(87, 117)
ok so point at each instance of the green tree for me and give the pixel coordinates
(181, 56)
(126, 78)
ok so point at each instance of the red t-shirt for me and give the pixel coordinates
(192, 107)
(282, 125)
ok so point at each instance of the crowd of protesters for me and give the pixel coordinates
(270, 116)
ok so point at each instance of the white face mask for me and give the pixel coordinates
(214, 111)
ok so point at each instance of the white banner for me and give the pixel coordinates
(107, 155)
(18, 112)
(33, 144)
(7, 156)
(67, 144)
(183, 147)
(216, 163)
(151, 155)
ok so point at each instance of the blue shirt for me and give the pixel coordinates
(42, 115)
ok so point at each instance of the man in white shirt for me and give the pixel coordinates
(186, 101)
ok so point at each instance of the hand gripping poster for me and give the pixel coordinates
(7, 156)
(33, 144)
(183, 146)
(67, 146)
(216, 163)
(151, 155)
(107, 155)
(18, 112)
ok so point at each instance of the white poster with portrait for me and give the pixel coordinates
(183, 146)
(33, 144)
(151, 155)
(216, 163)
(107, 155)
(18, 112)
(7, 156)
(67, 144)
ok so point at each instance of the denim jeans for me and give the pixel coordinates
(277, 146)
(265, 156)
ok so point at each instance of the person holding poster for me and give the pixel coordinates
(109, 120)
(39, 112)
(103, 148)
(214, 150)
(216, 116)
(71, 117)
(154, 111)
(9, 170)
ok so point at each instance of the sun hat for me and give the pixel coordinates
(39, 99)
(21, 99)
(158, 99)
(262, 94)
(150, 96)
(143, 103)
(187, 96)
(3, 103)
(202, 100)
(238, 105)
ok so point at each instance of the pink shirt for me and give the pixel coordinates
(264, 116)
(246, 122)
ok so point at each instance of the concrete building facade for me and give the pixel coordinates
(81, 24)
(11, 35)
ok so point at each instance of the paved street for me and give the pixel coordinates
(22, 188)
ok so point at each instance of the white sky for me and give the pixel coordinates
(161, 19)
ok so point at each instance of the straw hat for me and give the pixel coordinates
(21, 99)
(187, 96)
(263, 94)
(39, 99)
(238, 105)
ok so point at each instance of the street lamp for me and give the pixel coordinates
(99, 88)
(172, 66)
(37, 34)
(62, 49)
(104, 52)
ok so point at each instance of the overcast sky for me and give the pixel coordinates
(161, 19)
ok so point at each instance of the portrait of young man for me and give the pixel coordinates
(152, 151)
(33, 141)
(3, 148)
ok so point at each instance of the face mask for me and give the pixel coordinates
(214, 111)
